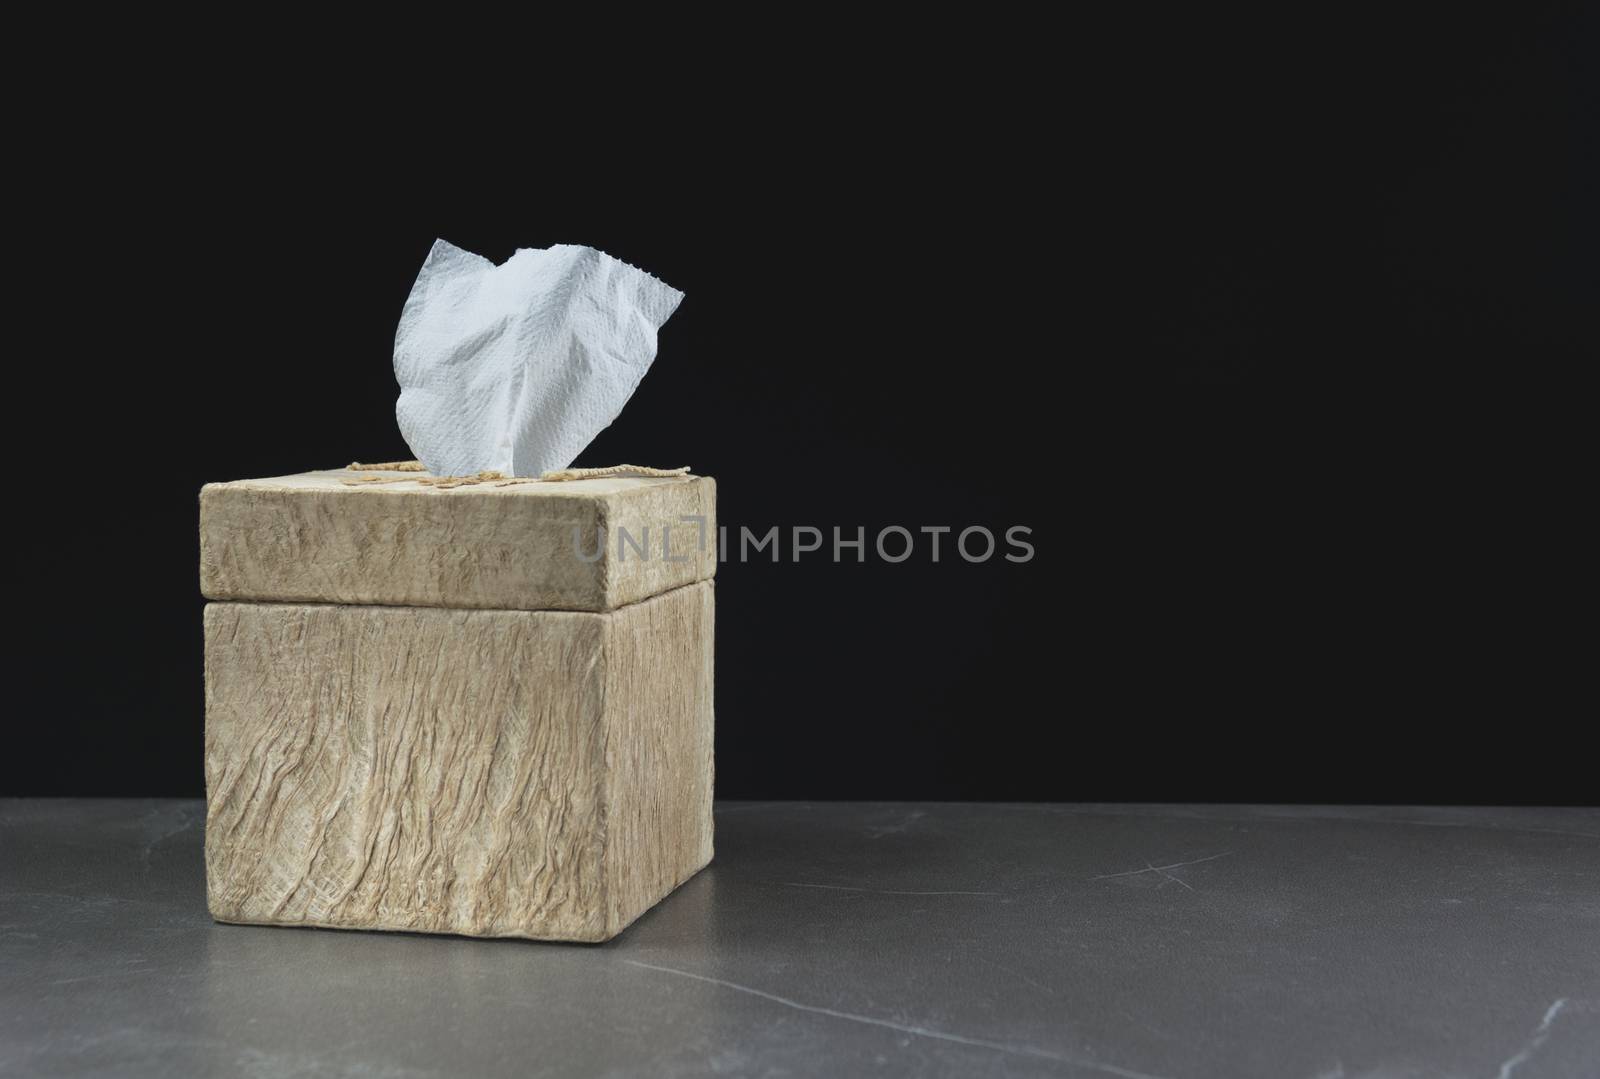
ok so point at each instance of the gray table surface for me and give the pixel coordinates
(876, 939)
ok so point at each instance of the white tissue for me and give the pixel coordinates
(516, 368)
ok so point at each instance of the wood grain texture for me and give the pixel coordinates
(659, 757)
(538, 774)
(312, 538)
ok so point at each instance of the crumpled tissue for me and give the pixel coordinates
(516, 368)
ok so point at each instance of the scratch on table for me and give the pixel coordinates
(103, 975)
(904, 1028)
(878, 831)
(1166, 877)
(186, 820)
(1161, 870)
(875, 891)
(1018, 975)
(1540, 1033)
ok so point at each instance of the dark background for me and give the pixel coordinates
(1272, 334)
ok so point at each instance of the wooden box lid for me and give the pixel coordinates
(343, 536)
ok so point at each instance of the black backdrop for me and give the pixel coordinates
(1269, 346)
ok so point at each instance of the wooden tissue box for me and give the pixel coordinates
(482, 709)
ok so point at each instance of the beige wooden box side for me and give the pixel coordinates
(674, 522)
(313, 538)
(659, 750)
(454, 771)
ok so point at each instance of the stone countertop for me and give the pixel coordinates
(857, 939)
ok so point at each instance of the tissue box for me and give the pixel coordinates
(483, 710)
